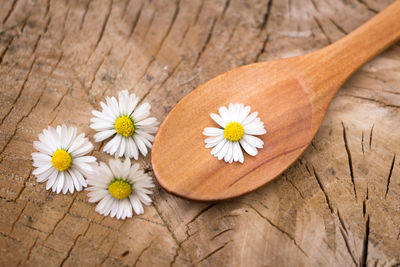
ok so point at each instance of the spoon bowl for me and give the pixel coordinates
(291, 97)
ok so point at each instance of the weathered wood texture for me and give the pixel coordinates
(338, 205)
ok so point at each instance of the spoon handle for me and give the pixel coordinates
(325, 70)
(366, 42)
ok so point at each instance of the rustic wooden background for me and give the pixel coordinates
(338, 205)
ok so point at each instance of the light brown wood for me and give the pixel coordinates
(291, 96)
(60, 58)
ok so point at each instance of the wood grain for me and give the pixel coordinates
(291, 97)
(338, 205)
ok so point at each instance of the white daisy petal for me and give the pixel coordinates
(42, 148)
(143, 134)
(141, 112)
(212, 131)
(148, 121)
(62, 159)
(52, 179)
(218, 119)
(229, 154)
(223, 151)
(255, 131)
(140, 144)
(214, 139)
(60, 182)
(223, 111)
(251, 150)
(123, 98)
(134, 149)
(42, 168)
(133, 100)
(137, 205)
(250, 118)
(238, 133)
(124, 193)
(254, 141)
(218, 147)
(243, 114)
(236, 151)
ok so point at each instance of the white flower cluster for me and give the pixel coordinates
(63, 161)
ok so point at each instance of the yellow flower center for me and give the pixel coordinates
(120, 189)
(124, 126)
(234, 131)
(61, 160)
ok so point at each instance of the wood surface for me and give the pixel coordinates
(338, 205)
(291, 97)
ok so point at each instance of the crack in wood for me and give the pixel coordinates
(18, 217)
(390, 175)
(30, 251)
(226, 6)
(365, 203)
(196, 18)
(175, 256)
(264, 23)
(161, 84)
(264, 44)
(73, 245)
(63, 27)
(278, 228)
(362, 142)
(210, 33)
(338, 26)
(153, 58)
(370, 136)
(169, 228)
(12, 8)
(220, 233)
(103, 27)
(346, 242)
(295, 187)
(24, 184)
(197, 74)
(381, 103)
(62, 218)
(47, 8)
(153, 15)
(125, 8)
(185, 32)
(341, 221)
(84, 14)
(19, 92)
(322, 30)
(364, 254)
(135, 21)
(142, 252)
(213, 252)
(314, 5)
(365, 4)
(346, 145)
(197, 216)
(328, 202)
(21, 22)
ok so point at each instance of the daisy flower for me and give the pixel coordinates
(119, 188)
(61, 159)
(237, 132)
(131, 128)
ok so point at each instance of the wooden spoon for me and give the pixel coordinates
(291, 96)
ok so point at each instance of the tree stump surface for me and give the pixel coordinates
(338, 205)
